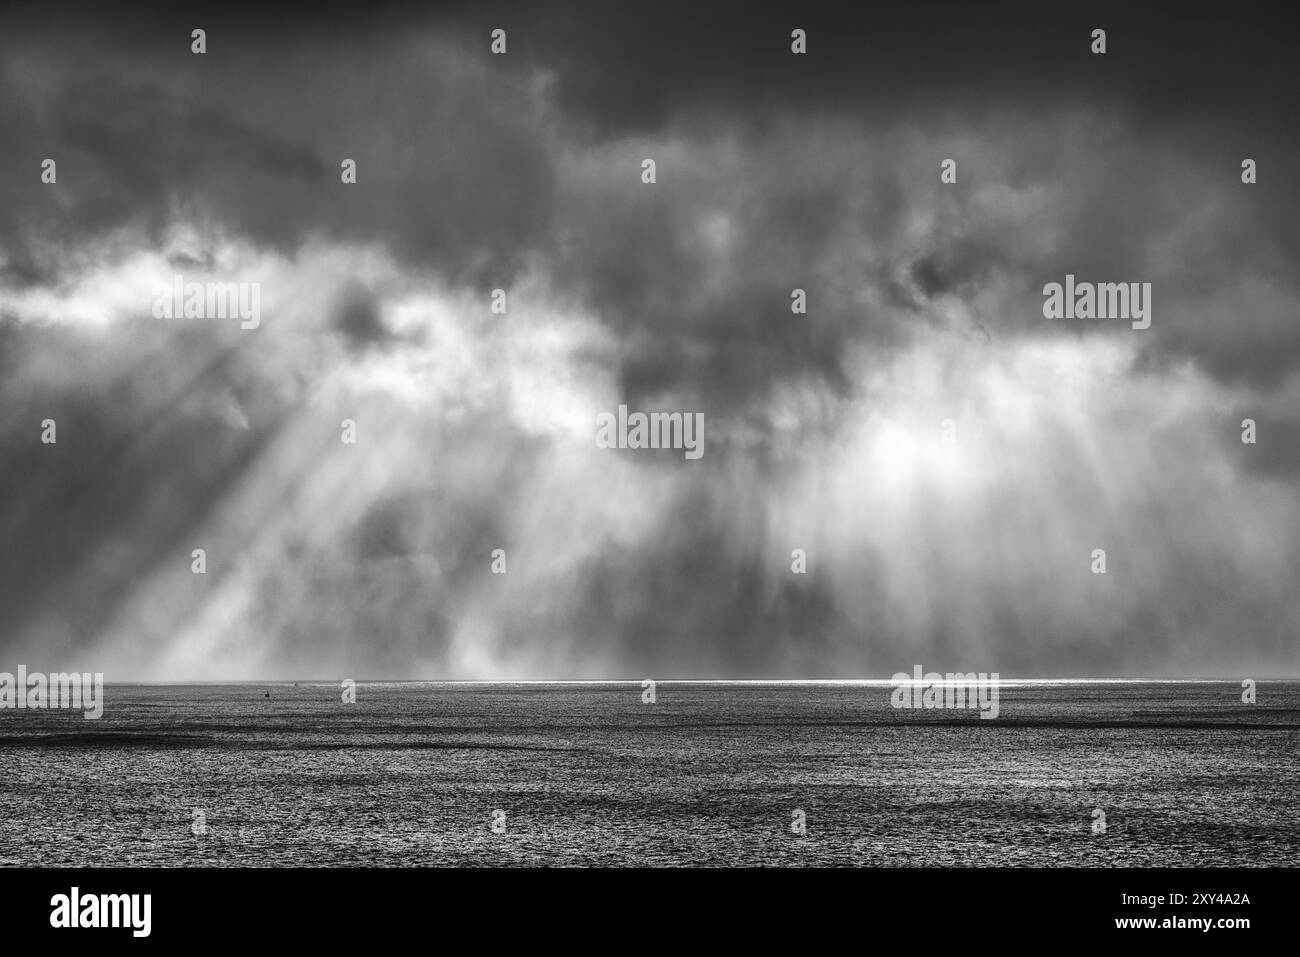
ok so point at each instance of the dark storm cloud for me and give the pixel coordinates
(460, 175)
(357, 317)
(1182, 95)
(452, 170)
(633, 68)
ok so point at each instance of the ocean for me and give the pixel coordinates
(711, 773)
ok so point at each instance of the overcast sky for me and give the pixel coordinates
(476, 431)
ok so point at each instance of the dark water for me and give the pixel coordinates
(710, 774)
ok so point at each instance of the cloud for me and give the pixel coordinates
(476, 430)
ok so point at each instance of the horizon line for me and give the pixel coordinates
(734, 681)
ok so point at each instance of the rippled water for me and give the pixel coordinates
(710, 774)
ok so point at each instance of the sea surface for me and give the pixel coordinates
(711, 773)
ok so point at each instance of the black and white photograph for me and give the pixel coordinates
(551, 445)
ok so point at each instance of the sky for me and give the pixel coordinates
(969, 546)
